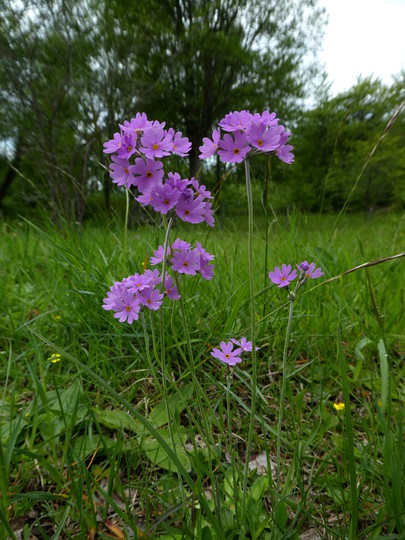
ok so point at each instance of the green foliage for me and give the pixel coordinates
(333, 141)
(86, 440)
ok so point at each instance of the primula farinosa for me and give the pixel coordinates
(248, 134)
(309, 270)
(136, 152)
(227, 354)
(282, 277)
(244, 344)
(184, 260)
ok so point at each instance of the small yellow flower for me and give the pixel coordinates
(339, 406)
(57, 317)
(54, 358)
(379, 403)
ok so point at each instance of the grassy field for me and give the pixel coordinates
(91, 409)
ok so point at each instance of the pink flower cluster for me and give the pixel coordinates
(185, 260)
(227, 354)
(284, 276)
(188, 199)
(248, 134)
(145, 141)
(127, 297)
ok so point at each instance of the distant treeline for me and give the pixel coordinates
(72, 71)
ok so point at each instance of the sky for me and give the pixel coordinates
(363, 37)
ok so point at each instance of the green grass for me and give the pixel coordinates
(86, 443)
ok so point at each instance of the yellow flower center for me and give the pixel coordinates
(126, 170)
(236, 151)
(227, 355)
(185, 264)
(149, 301)
(149, 174)
(129, 148)
(259, 142)
(128, 308)
(186, 212)
(155, 147)
(166, 202)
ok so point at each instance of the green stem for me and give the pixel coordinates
(126, 225)
(252, 335)
(231, 451)
(282, 393)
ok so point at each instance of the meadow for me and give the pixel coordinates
(90, 416)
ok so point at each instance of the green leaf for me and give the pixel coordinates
(382, 352)
(118, 419)
(176, 403)
(259, 487)
(157, 454)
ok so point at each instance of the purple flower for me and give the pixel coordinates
(181, 244)
(181, 145)
(244, 344)
(149, 173)
(128, 146)
(206, 269)
(209, 147)
(153, 277)
(233, 149)
(282, 277)
(171, 289)
(174, 181)
(155, 143)
(137, 125)
(263, 138)
(226, 354)
(200, 190)
(186, 262)
(309, 270)
(236, 121)
(209, 214)
(121, 172)
(113, 145)
(191, 210)
(137, 283)
(151, 298)
(270, 119)
(284, 153)
(145, 198)
(158, 255)
(164, 198)
(124, 303)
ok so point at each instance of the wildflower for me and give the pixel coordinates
(181, 244)
(339, 406)
(310, 270)
(171, 289)
(148, 173)
(151, 298)
(155, 143)
(226, 353)
(54, 358)
(113, 145)
(158, 255)
(244, 344)
(233, 149)
(164, 198)
(127, 307)
(236, 121)
(121, 172)
(283, 277)
(186, 262)
(128, 146)
(209, 147)
(181, 145)
(57, 317)
(262, 138)
(190, 210)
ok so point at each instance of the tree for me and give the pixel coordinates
(197, 60)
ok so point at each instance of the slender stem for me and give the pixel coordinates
(230, 443)
(282, 393)
(266, 247)
(126, 224)
(252, 335)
